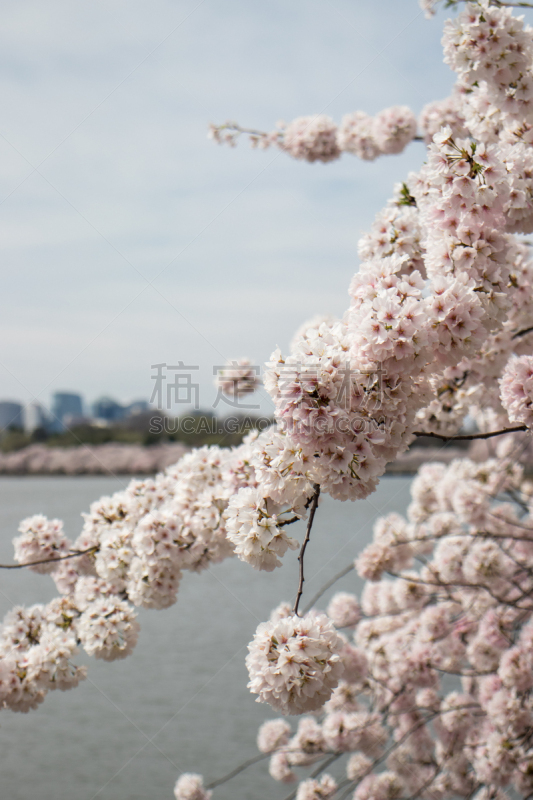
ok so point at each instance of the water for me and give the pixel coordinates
(180, 702)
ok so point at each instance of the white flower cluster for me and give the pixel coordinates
(40, 539)
(295, 663)
(141, 540)
(273, 734)
(517, 389)
(108, 629)
(317, 790)
(344, 610)
(311, 139)
(255, 527)
(36, 651)
(443, 685)
(239, 377)
(443, 113)
(368, 137)
(462, 193)
(190, 786)
(395, 231)
(149, 533)
(492, 52)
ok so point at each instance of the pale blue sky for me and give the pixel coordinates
(130, 239)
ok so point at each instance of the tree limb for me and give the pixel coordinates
(327, 585)
(76, 554)
(522, 333)
(471, 436)
(314, 504)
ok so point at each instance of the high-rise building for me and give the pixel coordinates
(65, 404)
(10, 415)
(35, 418)
(137, 407)
(107, 409)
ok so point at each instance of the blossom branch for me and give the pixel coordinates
(447, 586)
(523, 333)
(234, 772)
(328, 585)
(314, 504)
(234, 127)
(500, 4)
(472, 436)
(262, 757)
(461, 535)
(76, 554)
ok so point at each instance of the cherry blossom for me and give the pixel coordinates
(424, 687)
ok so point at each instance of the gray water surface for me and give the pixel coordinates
(179, 703)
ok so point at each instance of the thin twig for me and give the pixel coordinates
(513, 5)
(314, 504)
(472, 436)
(522, 333)
(237, 770)
(236, 128)
(262, 757)
(328, 585)
(517, 499)
(290, 521)
(505, 4)
(50, 560)
(460, 535)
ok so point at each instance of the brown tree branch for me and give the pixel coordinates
(238, 770)
(76, 554)
(314, 504)
(472, 436)
(328, 585)
(522, 333)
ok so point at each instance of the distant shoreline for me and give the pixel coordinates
(128, 459)
(103, 459)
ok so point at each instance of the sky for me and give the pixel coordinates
(128, 238)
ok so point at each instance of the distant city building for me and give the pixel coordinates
(72, 421)
(137, 407)
(105, 408)
(36, 418)
(10, 415)
(65, 404)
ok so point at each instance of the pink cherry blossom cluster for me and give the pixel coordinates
(311, 139)
(473, 384)
(134, 548)
(318, 138)
(442, 113)
(190, 787)
(439, 687)
(395, 231)
(41, 539)
(238, 378)
(367, 137)
(517, 389)
(492, 52)
(295, 662)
